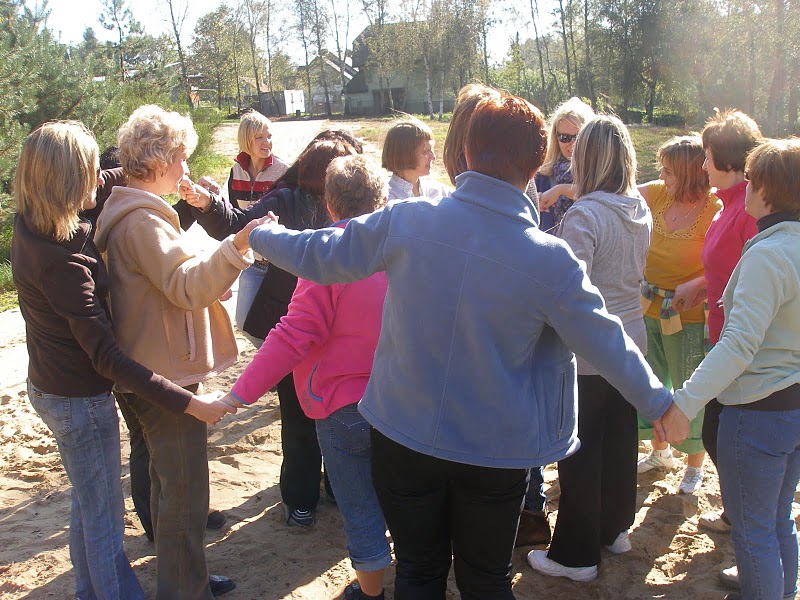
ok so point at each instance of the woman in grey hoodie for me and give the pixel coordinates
(609, 229)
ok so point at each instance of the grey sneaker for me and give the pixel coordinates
(621, 545)
(538, 560)
(692, 480)
(730, 577)
(657, 459)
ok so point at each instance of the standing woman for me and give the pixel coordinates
(408, 155)
(565, 124)
(299, 208)
(484, 335)
(608, 228)
(185, 332)
(754, 372)
(62, 285)
(682, 208)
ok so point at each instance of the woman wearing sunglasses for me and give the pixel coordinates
(566, 122)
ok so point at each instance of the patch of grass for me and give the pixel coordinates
(646, 140)
(8, 293)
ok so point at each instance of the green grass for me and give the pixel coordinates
(646, 140)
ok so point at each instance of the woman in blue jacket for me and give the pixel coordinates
(473, 381)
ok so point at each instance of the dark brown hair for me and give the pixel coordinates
(773, 169)
(314, 161)
(400, 146)
(730, 135)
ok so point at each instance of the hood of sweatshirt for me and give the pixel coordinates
(632, 210)
(123, 201)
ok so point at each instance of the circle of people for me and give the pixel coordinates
(422, 339)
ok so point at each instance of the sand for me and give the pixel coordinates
(670, 557)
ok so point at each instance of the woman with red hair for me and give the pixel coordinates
(473, 381)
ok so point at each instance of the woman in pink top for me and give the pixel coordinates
(728, 138)
(328, 341)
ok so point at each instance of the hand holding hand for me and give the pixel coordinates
(675, 425)
(689, 294)
(209, 408)
(551, 196)
(231, 401)
(209, 184)
(242, 239)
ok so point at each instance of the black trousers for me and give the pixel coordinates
(710, 428)
(139, 465)
(598, 482)
(438, 511)
(302, 459)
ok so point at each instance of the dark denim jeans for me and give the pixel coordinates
(87, 434)
(759, 468)
(440, 511)
(179, 498)
(344, 438)
(139, 466)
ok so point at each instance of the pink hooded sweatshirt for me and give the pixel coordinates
(327, 339)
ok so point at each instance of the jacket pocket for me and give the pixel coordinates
(190, 337)
(309, 389)
(562, 406)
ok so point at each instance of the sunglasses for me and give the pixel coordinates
(566, 138)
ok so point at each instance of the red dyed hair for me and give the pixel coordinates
(506, 139)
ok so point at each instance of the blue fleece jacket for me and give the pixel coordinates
(473, 363)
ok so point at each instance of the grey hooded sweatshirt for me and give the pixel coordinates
(611, 234)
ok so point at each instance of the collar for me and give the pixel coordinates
(731, 194)
(244, 159)
(775, 218)
(495, 195)
(403, 186)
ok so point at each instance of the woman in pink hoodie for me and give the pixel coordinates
(328, 341)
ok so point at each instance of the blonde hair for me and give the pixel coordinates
(400, 146)
(251, 124)
(684, 156)
(604, 158)
(577, 112)
(56, 174)
(151, 138)
(773, 169)
(468, 98)
(354, 186)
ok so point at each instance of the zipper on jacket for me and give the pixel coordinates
(561, 406)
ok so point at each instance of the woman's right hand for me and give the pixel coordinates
(242, 239)
(209, 408)
(195, 195)
(209, 184)
(689, 294)
(551, 196)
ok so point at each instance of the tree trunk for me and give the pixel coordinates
(534, 16)
(428, 92)
(566, 46)
(588, 58)
(777, 90)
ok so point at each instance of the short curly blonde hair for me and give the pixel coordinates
(56, 174)
(151, 138)
(251, 124)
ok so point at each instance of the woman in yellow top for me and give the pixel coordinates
(682, 208)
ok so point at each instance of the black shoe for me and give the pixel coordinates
(216, 519)
(353, 592)
(534, 529)
(303, 519)
(220, 584)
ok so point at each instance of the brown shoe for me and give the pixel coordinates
(534, 529)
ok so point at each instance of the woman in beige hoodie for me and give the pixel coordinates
(167, 315)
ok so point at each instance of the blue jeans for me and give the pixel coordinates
(249, 282)
(87, 434)
(759, 468)
(534, 497)
(344, 439)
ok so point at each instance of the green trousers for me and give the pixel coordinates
(673, 359)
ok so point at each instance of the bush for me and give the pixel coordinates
(668, 118)
(634, 116)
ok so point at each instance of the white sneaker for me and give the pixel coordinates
(730, 577)
(621, 545)
(539, 561)
(692, 480)
(714, 522)
(657, 459)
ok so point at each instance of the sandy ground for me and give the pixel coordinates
(670, 558)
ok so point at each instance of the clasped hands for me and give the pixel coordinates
(672, 427)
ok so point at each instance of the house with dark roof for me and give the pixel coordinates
(364, 94)
(337, 75)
